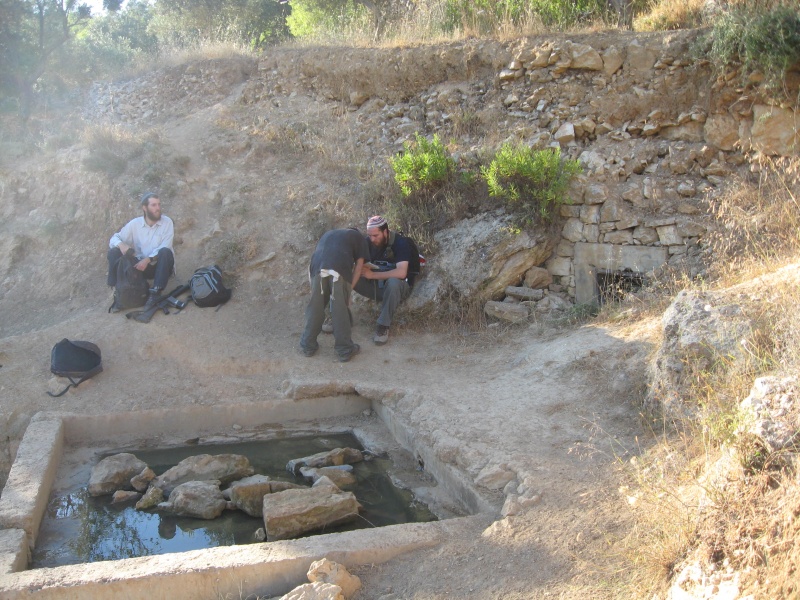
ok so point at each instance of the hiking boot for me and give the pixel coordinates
(308, 353)
(152, 297)
(327, 325)
(381, 335)
(356, 349)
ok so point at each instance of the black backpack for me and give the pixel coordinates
(132, 288)
(207, 287)
(80, 360)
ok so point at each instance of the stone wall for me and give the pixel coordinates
(657, 134)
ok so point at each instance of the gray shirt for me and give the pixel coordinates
(338, 250)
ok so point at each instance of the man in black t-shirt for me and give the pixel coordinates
(392, 282)
(336, 266)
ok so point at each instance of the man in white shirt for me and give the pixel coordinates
(149, 238)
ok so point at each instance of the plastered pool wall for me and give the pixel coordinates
(270, 568)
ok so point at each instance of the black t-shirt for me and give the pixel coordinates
(399, 249)
(339, 249)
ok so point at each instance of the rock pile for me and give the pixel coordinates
(204, 486)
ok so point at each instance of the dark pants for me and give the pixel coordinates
(325, 291)
(389, 292)
(159, 272)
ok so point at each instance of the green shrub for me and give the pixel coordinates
(532, 183)
(312, 19)
(766, 42)
(423, 165)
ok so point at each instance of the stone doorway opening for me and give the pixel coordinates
(612, 286)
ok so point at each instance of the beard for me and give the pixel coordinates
(152, 215)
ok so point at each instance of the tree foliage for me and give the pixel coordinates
(32, 33)
(256, 23)
(321, 14)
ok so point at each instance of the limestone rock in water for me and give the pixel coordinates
(331, 458)
(122, 496)
(248, 494)
(224, 468)
(315, 591)
(142, 481)
(114, 473)
(327, 571)
(199, 499)
(340, 476)
(291, 513)
(152, 497)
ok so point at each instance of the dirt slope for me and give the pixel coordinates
(554, 408)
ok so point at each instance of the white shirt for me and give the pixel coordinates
(146, 240)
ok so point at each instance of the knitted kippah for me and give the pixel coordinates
(376, 221)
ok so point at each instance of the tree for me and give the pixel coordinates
(31, 33)
(382, 12)
(256, 23)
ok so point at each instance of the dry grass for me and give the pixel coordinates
(705, 492)
(673, 14)
(759, 223)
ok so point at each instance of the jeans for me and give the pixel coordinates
(160, 272)
(325, 291)
(390, 292)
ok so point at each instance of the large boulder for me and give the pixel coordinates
(204, 467)
(699, 330)
(480, 257)
(198, 499)
(775, 410)
(291, 513)
(114, 473)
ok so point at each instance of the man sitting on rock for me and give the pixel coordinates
(149, 238)
(395, 264)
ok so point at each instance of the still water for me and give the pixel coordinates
(79, 529)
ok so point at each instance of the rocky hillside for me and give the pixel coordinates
(657, 136)
(255, 157)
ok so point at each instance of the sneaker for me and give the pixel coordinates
(115, 307)
(356, 349)
(327, 325)
(381, 335)
(152, 297)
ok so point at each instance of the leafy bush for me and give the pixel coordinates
(532, 183)
(422, 165)
(315, 20)
(766, 42)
